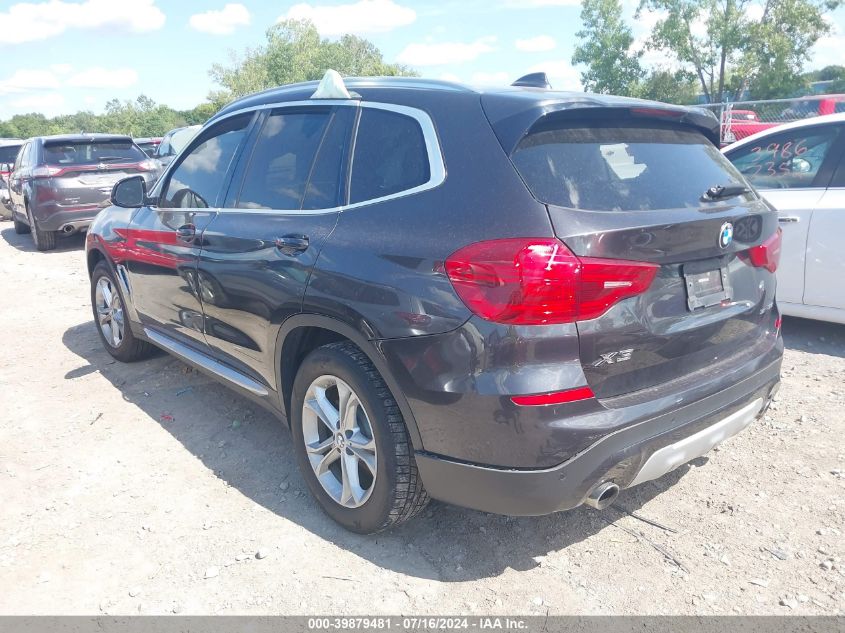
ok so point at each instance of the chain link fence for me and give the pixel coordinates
(744, 118)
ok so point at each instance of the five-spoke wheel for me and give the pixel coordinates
(339, 441)
(351, 441)
(109, 311)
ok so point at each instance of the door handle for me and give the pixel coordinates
(292, 244)
(186, 232)
(787, 219)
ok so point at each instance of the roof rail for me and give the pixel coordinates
(533, 80)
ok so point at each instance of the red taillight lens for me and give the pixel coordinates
(147, 165)
(557, 397)
(767, 254)
(527, 281)
(46, 171)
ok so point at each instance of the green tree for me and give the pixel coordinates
(669, 86)
(604, 47)
(293, 52)
(729, 52)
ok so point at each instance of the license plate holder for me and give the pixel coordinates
(707, 284)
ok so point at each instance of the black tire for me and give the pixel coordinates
(43, 240)
(397, 493)
(21, 228)
(130, 349)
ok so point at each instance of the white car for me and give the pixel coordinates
(800, 169)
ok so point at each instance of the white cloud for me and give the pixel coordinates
(221, 22)
(364, 16)
(537, 44)
(830, 49)
(103, 78)
(561, 74)
(446, 52)
(32, 21)
(27, 81)
(49, 104)
(490, 79)
(754, 12)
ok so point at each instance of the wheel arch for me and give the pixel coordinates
(302, 333)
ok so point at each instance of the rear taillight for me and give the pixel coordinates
(767, 254)
(147, 165)
(533, 281)
(46, 171)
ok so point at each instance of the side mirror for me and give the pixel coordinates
(129, 193)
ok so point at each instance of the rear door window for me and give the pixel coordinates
(88, 153)
(390, 155)
(281, 169)
(789, 160)
(610, 166)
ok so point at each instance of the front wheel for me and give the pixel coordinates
(110, 318)
(351, 442)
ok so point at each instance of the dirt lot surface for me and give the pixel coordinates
(149, 488)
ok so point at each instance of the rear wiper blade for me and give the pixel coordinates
(720, 192)
(111, 159)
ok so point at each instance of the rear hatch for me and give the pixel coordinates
(81, 173)
(622, 184)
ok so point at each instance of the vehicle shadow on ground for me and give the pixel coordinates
(250, 449)
(814, 337)
(24, 243)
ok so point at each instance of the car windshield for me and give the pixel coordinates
(8, 153)
(91, 153)
(611, 166)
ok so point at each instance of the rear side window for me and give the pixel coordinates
(8, 153)
(282, 162)
(390, 155)
(789, 160)
(620, 166)
(87, 153)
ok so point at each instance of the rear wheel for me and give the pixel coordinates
(43, 240)
(21, 228)
(351, 442)
(110, 318)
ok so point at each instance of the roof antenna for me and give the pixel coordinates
(533, 80)
(331, 87)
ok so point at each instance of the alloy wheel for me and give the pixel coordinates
(109, 312)
(339, 441)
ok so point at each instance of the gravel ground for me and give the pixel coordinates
(148, 488)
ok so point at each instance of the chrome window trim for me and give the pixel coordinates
(436, 165)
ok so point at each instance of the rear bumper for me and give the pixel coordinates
(626, 457)
(54, 218)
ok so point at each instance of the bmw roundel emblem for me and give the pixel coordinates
(726, 235)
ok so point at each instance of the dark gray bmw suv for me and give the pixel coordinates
(516, 300)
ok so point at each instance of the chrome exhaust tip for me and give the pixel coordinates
(602, 495)
(67, 229)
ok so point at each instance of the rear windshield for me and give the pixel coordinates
(621, 167)
(82, 153)
(8, 153)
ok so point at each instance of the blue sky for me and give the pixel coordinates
(61, 56)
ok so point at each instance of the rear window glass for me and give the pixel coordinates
(76, 153)
(8, 153)
(621, 167)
